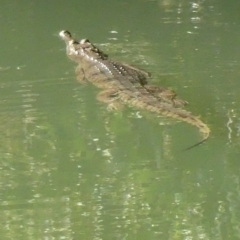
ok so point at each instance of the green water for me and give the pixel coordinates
(70, 169)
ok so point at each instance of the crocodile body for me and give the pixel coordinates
(124, 84)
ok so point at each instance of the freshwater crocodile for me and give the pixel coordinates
(122, 83)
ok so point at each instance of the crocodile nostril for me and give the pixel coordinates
(66, 35)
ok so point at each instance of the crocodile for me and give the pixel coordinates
(125, 84)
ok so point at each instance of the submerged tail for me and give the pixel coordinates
(154, 106)
(184, 116)
(204, 129)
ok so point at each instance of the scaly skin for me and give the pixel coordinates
(122, 83)
(167, 110)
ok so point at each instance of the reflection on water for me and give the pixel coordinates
(72, 170)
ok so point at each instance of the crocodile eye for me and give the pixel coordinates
(84, 41)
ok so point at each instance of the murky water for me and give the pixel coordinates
(72, 170)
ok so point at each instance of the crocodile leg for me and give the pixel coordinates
(135, 74)
(111, 97)
(80, 75)
(165, 95)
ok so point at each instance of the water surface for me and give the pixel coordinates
(72, 170)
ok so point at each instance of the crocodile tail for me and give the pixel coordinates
(184, 116)
(203, 128)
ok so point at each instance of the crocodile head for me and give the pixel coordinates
(83, 48)
(71, 44)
